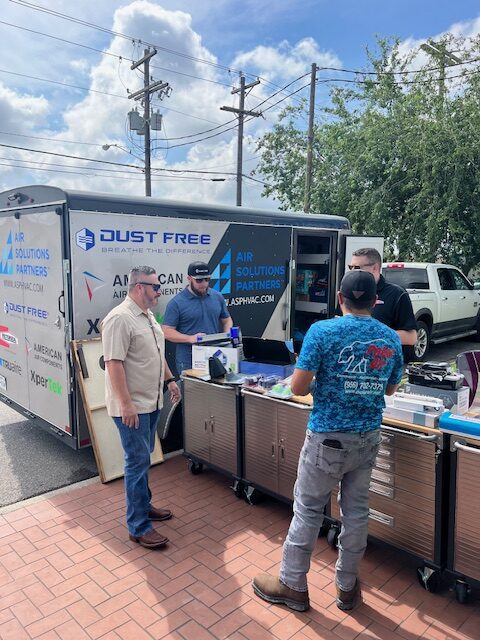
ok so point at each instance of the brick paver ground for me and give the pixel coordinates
(68, 571)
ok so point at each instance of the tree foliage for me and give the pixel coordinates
(392, 155)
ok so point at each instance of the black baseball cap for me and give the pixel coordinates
(359, 287)
(198, 270)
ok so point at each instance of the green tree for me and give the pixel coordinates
(391, 156)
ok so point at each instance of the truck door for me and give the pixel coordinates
(34, 337)
(458, 310)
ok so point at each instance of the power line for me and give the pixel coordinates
(121, 164)
(105, 93)
(109, 53)
(24, 135)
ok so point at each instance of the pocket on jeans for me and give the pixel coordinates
(331, 460)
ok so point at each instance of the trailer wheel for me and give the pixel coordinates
(423, 340)
(195, 468)
(428, 578)
(332, 536)
(462, 591)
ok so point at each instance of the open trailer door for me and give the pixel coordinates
(34, 337)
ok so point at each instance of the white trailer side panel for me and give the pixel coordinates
(35, 366)
(248, 265)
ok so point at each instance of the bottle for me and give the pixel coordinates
(236, 336)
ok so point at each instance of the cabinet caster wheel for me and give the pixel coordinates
(462, 591)
(195, 467)
(252, 496)
(238, 489)
(332, 536)
(428, 578)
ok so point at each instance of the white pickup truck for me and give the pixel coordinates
(445, 302)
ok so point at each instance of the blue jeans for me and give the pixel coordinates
(320, 469)
(137, 446)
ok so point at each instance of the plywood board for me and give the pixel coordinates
(107, 447)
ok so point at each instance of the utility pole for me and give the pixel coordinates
(438, 51)
(311, 114)
(144, 94)
(241, 114)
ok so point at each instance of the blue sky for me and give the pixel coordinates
(276, 40)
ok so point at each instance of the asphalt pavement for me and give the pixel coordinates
(33, 461)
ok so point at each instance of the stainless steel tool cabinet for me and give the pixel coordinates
(274, 432)
(463, 556)
(406, 497)
(211, 426)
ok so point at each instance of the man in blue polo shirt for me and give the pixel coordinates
(195, 311)
(356, 360)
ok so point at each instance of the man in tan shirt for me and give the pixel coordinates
(135, 372)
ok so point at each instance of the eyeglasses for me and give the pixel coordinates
(202, 279)
(154, 285)
(351, 267)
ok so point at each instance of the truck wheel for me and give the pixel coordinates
(423, 340)
(476, 337)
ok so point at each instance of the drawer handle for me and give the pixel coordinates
(464, 447)
(386, 453)
(383, 465)
(417, 436)
(273, 449)
(206, 425)
(382, 477)
(388, 492)
(381, 517)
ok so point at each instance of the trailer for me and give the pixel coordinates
(65, 258)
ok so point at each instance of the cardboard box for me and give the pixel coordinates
(230, 357)
(455, 401)
(282, 370)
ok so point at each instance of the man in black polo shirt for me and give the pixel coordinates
(393, 307)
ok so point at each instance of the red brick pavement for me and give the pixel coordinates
(69, 572)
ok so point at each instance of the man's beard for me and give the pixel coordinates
(198, 292)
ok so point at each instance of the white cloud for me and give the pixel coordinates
(285, 61)
(96, 118)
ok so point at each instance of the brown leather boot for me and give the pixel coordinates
(150, 540)
(346, 600)
(159, 514)
(270, 588)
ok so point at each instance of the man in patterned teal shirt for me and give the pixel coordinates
(356, 360)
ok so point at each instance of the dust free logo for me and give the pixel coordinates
(47, 383)
(85, 239)
(90, 283)
(32, 312)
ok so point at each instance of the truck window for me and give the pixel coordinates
(459, 280)
(409, 278)
(445, 279)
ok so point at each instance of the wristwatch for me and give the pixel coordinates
(167, 382)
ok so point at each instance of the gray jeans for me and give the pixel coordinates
(320, 469)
